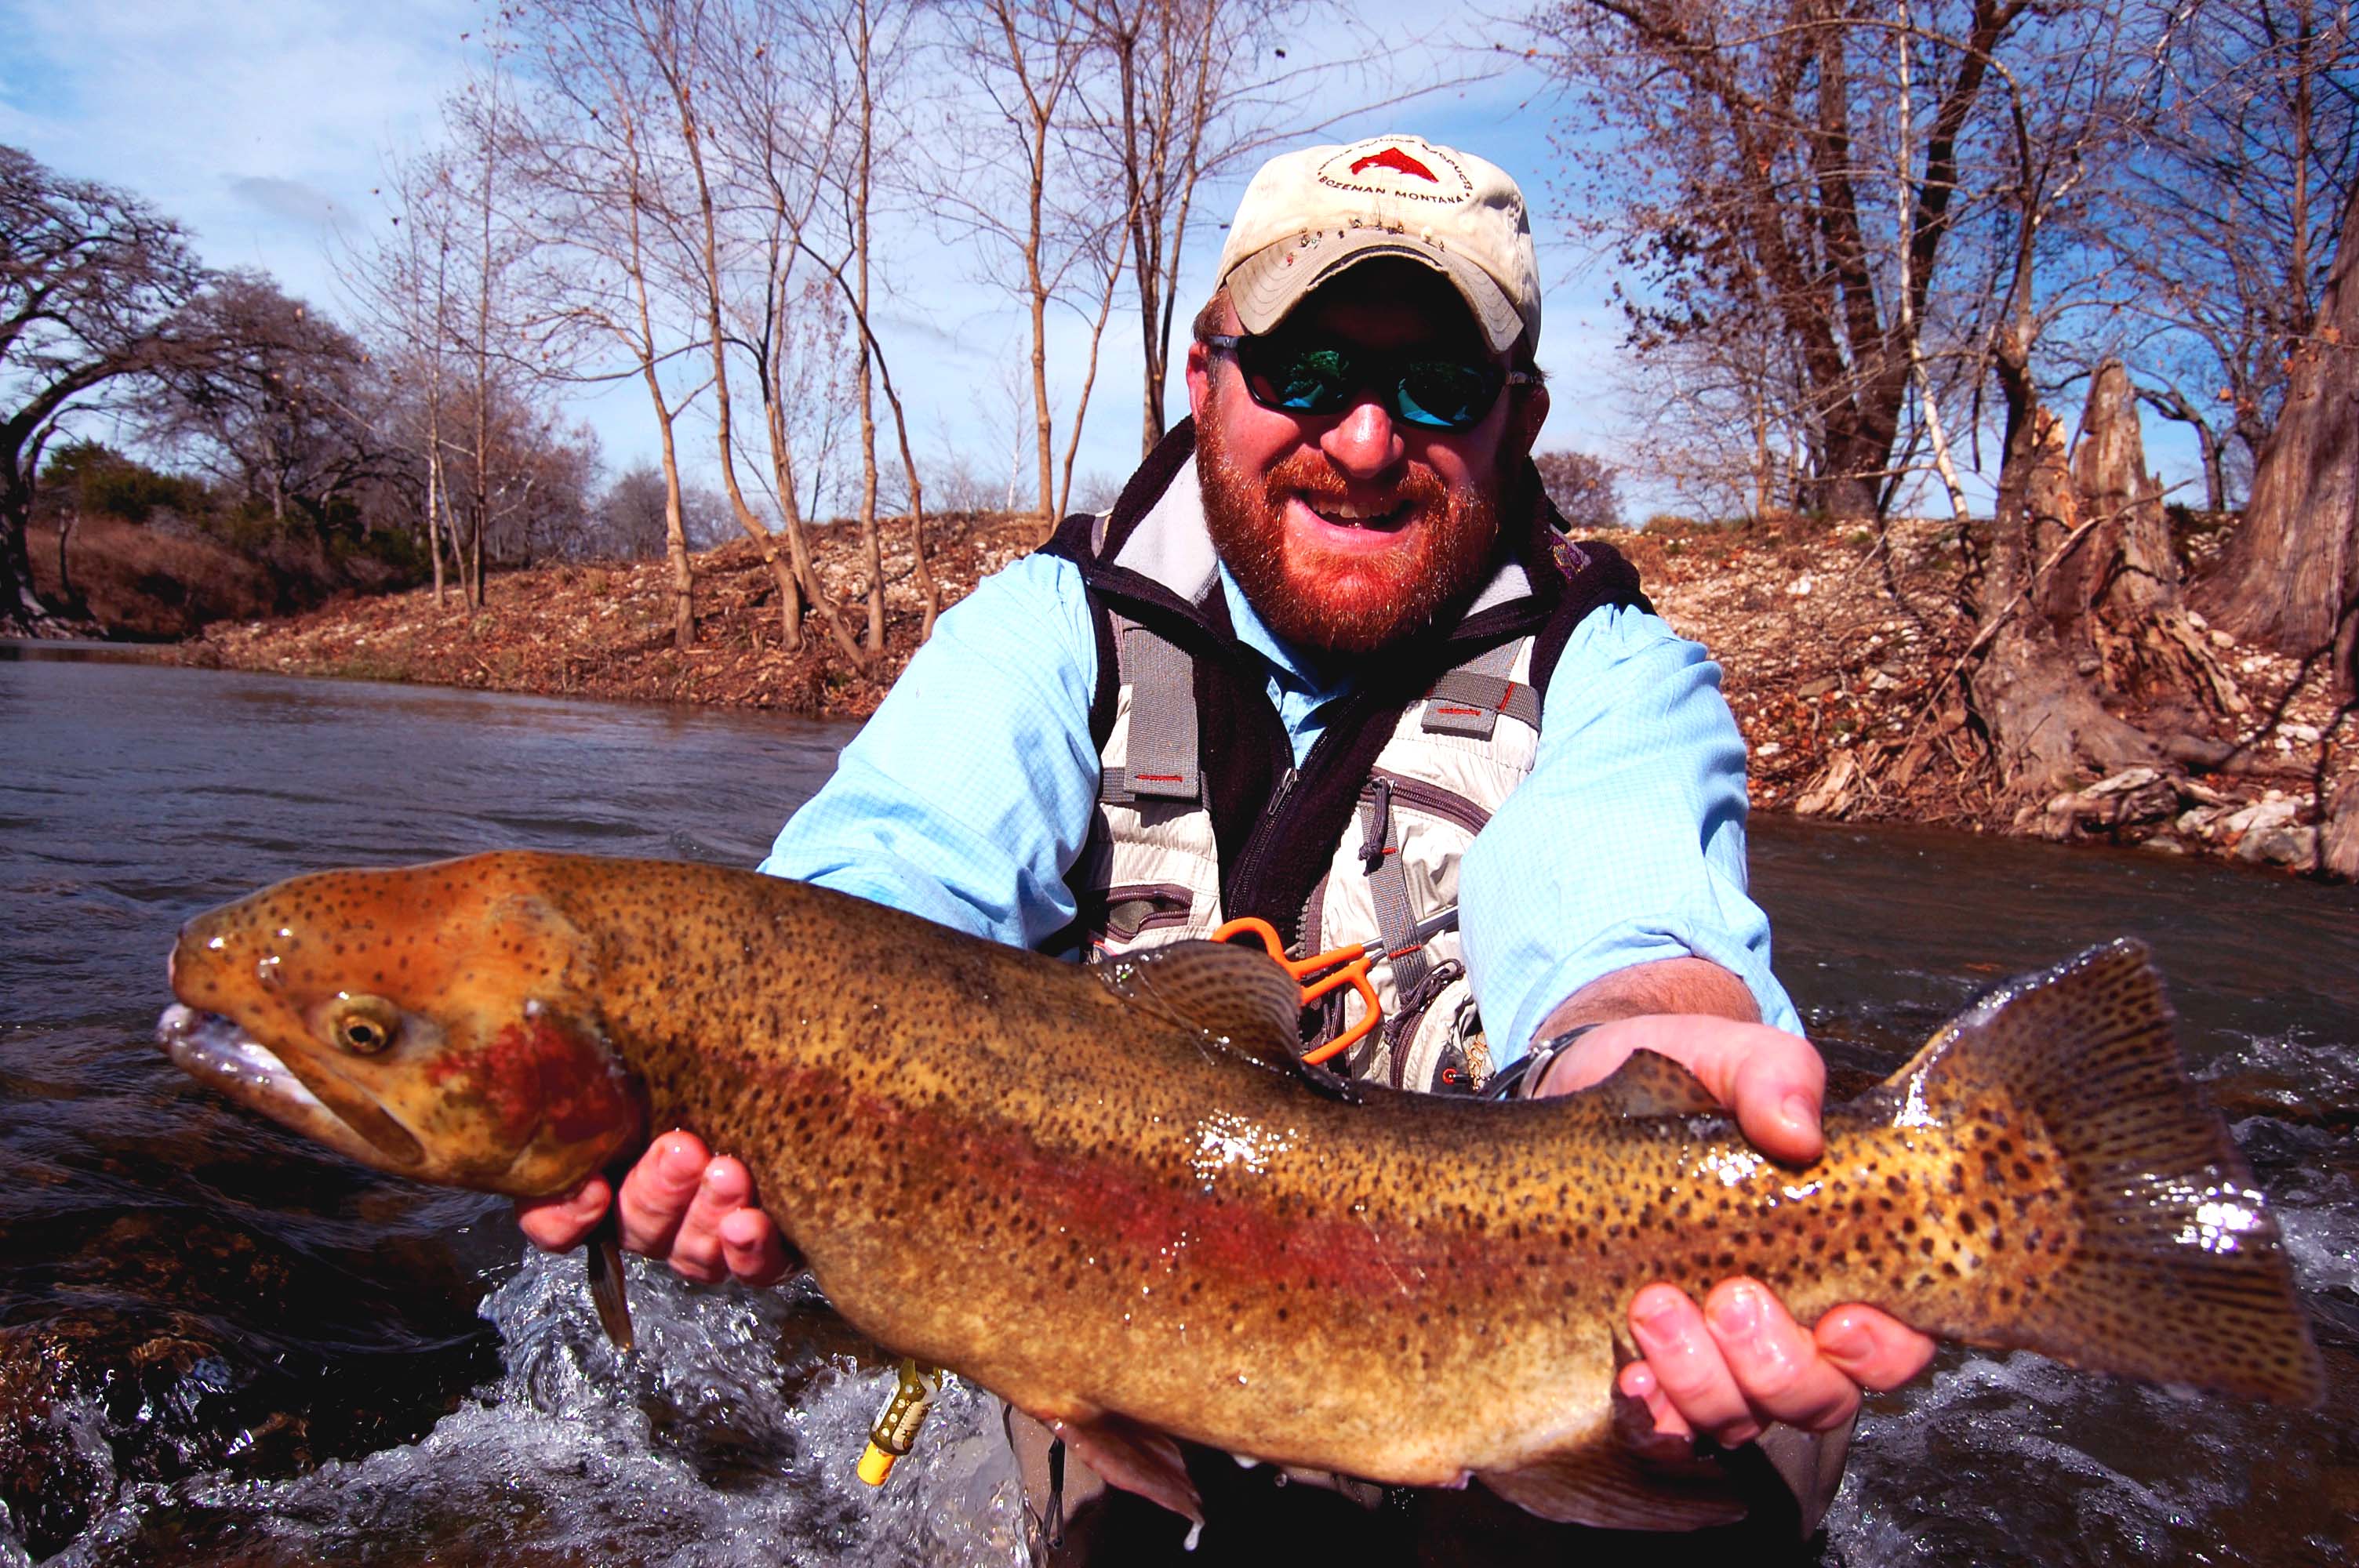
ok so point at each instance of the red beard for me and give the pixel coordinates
(1340, 601)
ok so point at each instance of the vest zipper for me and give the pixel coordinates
(1250, 856)
(1431, 798)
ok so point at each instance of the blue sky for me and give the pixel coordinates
(264, 125)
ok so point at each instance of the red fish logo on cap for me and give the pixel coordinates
(1398, 162)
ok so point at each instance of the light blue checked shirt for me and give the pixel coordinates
(971, 791)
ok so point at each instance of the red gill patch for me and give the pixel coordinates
(536, 1074)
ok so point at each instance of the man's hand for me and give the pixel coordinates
(1726, 1369)
(680, 1204)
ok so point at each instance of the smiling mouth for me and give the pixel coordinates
(1338, 512)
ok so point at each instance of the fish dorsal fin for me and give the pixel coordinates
(1236, 998)
(1651, 1084)
(1600, 1483)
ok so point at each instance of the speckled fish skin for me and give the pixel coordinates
(995, 1161)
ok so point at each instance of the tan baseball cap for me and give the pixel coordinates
(1308, 215)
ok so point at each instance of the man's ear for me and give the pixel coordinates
(1527, 413)
(1200, 378)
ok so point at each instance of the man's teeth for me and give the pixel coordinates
(1351, 510)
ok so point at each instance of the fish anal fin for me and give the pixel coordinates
(1602, 1484)
(1651, 1084)
(1238, 997)
(604, 1256)
(1136, 1458)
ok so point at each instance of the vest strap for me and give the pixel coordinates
(1161, 762)
(1388, 891)
(1469, 699)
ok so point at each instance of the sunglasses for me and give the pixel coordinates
(1425, 389)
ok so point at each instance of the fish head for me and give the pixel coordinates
(434, 1021)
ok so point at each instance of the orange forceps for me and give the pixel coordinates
(1349, 966)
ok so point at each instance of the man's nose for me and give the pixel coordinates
(1364, 442)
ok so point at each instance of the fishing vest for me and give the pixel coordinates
(1203, 816)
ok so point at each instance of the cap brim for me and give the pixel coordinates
(1271, 282)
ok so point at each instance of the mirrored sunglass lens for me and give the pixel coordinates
(1443, 395)
(1312, 381)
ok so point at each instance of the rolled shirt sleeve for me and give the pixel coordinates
(970, 789)
(1627, 845)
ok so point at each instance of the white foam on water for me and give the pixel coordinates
(686, 1454)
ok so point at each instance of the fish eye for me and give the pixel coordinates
(364, 1025)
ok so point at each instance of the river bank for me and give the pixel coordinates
(1840, 650)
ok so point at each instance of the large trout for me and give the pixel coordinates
(1113, 1197)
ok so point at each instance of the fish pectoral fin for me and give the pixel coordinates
(1236, 996)
(1604, 1485)
(1651, 1084)
(1134, 1457)
(604, 1256)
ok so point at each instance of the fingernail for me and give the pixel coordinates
(1737, 1310)
(1655, 1308)
(1800, 1111)
(683, 1163)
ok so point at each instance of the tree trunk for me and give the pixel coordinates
(684, 576)
(20, 609)
(2035, 690)
(2126, 576)
(871, 547)
(2289, 576)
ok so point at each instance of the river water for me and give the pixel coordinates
(219, 1345)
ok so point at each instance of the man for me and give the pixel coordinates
(1300, 655)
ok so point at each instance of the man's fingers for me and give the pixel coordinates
(752, 1247)
(1774, 1081)
(561, 1224)
(1775, 1361)
(724, 1188)
(1873, 1349)
(1687, 1365)
(659, 1190)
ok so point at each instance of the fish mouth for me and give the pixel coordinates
(215, 1051)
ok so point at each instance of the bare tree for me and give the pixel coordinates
(2227, 212)
(1581, 486)
(1033, 206)
(600, 156)
(1745, 139)
(1189, 98)
(399, 279)
(716, 75)
(2289, 576)
(93, 288)
(282, 409)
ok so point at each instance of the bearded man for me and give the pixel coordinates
(1329, 661)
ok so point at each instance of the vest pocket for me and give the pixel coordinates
(1133, 912)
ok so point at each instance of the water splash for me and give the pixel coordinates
(728, 1438)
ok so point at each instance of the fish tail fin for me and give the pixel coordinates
(2174, 1270)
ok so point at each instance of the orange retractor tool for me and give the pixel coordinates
(1351, 968)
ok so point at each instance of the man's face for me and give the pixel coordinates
(1351, 530)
